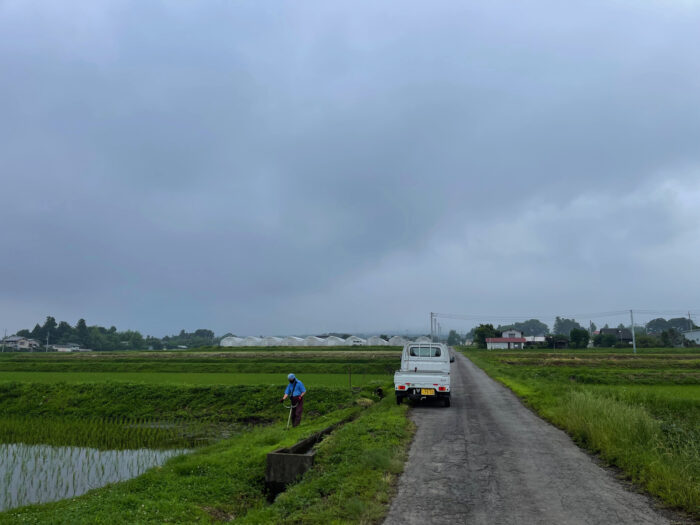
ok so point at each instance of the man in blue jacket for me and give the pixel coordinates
(296, 391)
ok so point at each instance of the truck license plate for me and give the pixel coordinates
(427, 391)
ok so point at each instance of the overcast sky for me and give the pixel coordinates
(289, 168)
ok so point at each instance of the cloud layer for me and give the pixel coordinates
(262, 168)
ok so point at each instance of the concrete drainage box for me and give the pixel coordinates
(286, 465)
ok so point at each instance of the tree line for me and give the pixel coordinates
(102, 338)
(657, 333)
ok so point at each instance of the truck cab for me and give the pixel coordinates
(424, 373)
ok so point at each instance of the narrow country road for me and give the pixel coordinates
(488, 459)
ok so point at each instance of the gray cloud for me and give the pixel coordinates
(345, 166)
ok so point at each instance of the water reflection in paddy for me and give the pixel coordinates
(42, 473)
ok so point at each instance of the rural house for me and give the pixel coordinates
(621, 334)
(509, 340)
(17, 342)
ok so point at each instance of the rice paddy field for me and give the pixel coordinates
(157, 437)
(639, 412)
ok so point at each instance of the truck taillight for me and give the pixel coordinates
(442, 389)
(401, 387)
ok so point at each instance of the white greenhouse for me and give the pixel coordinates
(271, 341)
(334, 341)
(312, 340)
(423, 339)
(252, 341)
(353, 340)
(293, 341)
(231, 341)
(397, 340)
(376, 341)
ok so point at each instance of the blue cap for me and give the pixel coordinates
(291, 377)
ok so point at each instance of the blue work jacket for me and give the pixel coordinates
(295, 388)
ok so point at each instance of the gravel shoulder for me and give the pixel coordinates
(489, 459)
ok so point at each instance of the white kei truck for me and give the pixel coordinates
(424, 374)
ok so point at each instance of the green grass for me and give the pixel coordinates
(160, 402)
(350, 483)
(185, 378)
(302, 362)
(640, 413)
(124, 399)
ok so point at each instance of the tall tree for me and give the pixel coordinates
(578, 338)
(563, 326)
(529, 327)
(482, 332)
(453, 338)
(656, 326)
(81, 332)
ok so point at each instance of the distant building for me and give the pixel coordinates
(397, 340)
(623, 335)
(534, 339)
(692, 335)
(68, 347)
(511, 339)
(17, 342)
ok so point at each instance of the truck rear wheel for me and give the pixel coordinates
(398, 399)
(446, 401)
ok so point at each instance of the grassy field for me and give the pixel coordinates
(224, 404)
(638, 412)
(351, 481)
(188, 378)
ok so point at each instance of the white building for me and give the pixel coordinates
(376, 341)
(692, 335)
(312, 340)
(20, 343)
(353, 340)
(397, 340)
(293, 341)
(511, 339)
(252, 341)
(332, 340)
(532, 339)
(271, 341)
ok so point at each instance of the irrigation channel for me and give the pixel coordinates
(43, 473)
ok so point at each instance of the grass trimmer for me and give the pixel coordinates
(291, 408)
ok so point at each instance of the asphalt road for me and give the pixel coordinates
(488, 459)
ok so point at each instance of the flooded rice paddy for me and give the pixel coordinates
(41, 473)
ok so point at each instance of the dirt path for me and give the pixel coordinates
(490, 460)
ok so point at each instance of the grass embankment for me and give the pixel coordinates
(640, 413)
(351, 481)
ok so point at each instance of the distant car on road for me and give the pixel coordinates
(424, 373)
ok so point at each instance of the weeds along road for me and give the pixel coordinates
(488, 459)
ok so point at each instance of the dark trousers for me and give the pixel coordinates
(297, 410)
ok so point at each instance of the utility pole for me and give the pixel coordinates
(690, 322)
(432, 325)
(634, 339)
(3, 340)
(47, 341)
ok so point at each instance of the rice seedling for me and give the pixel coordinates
(42, 473)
